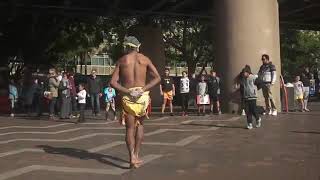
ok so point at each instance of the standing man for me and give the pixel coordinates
(167, 90)
(94, 87)
(214, 91)
(268, 75)
(129, 78)
(306, 79)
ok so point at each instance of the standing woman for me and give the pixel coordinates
(184, 91)
(202, 92)
(64, 87)
(53, 85)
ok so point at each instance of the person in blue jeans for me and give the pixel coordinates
(110, 94)
(94, 88)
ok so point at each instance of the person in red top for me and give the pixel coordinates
(73, 94)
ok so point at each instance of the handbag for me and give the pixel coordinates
(203, 100)
(47, 95)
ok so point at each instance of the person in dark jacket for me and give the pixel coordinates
(94, 88)
(38, 90)
(214, 91)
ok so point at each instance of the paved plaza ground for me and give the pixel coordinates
(287, 147)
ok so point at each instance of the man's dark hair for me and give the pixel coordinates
(184, 72)
(266, 56)
(166, 69)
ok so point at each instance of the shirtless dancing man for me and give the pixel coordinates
(129, 78)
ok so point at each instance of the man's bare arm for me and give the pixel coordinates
(173, 89)
(161, 92)
(154, 73)
(115, 81)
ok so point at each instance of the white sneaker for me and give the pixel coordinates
(274, 113)
(270, 112)
(258, 123)
(243, 112)
(249, 126)
(11, 115)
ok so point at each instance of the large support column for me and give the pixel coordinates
(246, 29)
(152, 47)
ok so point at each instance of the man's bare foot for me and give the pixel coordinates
(139, 161)
(135, 162)
(134, 166)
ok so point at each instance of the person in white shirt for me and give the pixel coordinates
(184, 91)
(202, 91)
(298, 92)
(82, 95)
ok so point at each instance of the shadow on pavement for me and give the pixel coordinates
(217, 125)
(85, 155)
(306, 132)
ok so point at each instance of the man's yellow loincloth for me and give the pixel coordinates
(135, 106)
(168, 95)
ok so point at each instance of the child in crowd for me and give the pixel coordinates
(110, 95)
(202, 95)
(250, 97)
(184, 91)
(298, 92)
(82, 95)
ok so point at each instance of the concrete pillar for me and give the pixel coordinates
(246, 29)
(152, 46)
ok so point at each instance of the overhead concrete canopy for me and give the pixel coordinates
(301, 14)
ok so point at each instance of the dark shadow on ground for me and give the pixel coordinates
(217, 125)
(85, 155)
(305, 132)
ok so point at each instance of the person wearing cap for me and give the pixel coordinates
(129, 78)
(250, 96)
